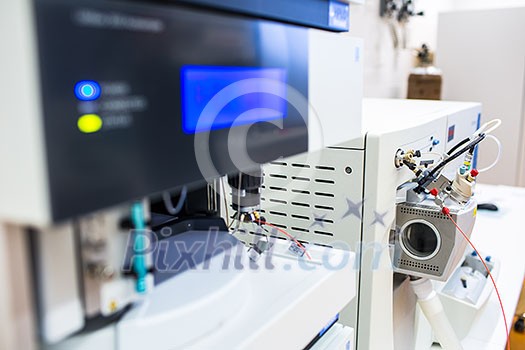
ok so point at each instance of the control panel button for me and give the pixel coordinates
(87, 90)
(89, 123)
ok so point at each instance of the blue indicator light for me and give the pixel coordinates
(217, 97)
(87, 90)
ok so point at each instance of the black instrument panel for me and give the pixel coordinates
(112, 77)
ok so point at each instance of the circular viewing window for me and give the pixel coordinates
(420, 239)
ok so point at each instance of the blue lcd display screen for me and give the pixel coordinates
(217, 97)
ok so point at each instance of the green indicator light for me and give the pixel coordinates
(89, 123)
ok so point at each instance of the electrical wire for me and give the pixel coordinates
(237, 226)
(239, 197)
(468, 147)
(265, 230)
(287, 235)
(492, 137)
(458, 145)
(166, 196)
(225, 202)
(447, 213)
(233, 219)
(478, 136)
(438, 167)
(488, 127)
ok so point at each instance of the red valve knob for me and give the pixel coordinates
(434, 192)
(474, 172)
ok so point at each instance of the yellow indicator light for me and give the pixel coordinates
(89, 123)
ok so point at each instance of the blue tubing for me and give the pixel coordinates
(139, 261)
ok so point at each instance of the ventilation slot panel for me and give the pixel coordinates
(300, 178)
(324, 233)
(323, 245)
(324, 220)
(300, 217)
(324, 207)
(325, 181)
(301, 204)
(431, 214)
(300, 229)
(300, 191)
(278, 163)
(324, 194)
(418, 265)
(275, 188)
(325, 167)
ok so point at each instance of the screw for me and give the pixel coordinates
(348, 170)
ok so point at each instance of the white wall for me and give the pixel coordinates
(386, 69)
(482, 53)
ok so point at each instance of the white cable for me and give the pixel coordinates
(488, 127)
(223, 187)
(497, 157)
(166, 196)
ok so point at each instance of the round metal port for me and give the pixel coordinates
(420, 239)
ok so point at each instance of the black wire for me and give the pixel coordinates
(470, 146)
(457, 146)
(438, 167)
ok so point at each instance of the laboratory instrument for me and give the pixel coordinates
(388, 196)
(116, 140)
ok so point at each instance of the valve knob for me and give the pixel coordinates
(434, 192)
(474, 172)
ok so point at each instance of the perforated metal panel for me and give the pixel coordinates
(310, 195)
(411, 264)
(415, 211)
(431, 266)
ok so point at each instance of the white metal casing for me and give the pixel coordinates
(24, 195)
(412, 124)
(262, 308)
(335, 88)
(357, 210)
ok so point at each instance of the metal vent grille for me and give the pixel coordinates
(301, 195)
(309, 197)
(432, 214)
(414, 264)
